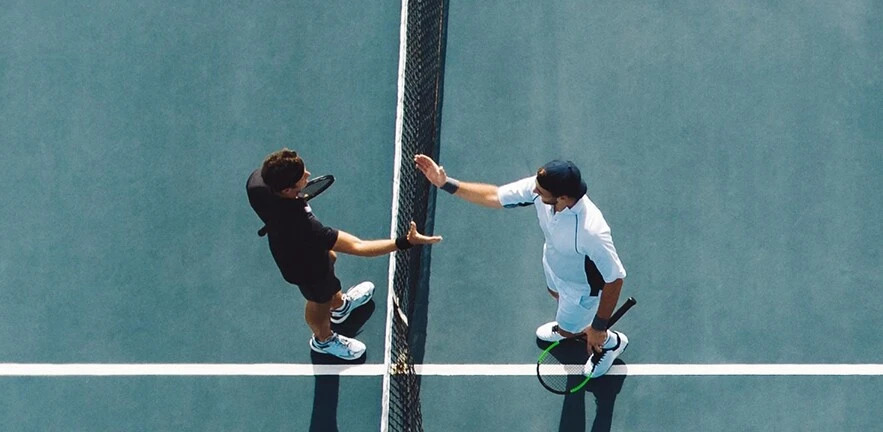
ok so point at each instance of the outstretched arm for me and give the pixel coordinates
(476, 193)
(352, 245)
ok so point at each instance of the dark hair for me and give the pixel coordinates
(282, 169)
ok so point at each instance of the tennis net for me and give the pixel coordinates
(418, 122)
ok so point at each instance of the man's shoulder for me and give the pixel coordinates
(517, 193)
(591, 219)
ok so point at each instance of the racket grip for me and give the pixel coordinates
(621, 311)
(263, 231)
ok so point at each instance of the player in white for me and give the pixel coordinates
(583, 271)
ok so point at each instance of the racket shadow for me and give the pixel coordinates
(568, 352)
(604, 389)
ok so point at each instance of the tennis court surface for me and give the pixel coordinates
(734, 148)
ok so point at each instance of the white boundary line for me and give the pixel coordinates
(292, 369)
(396, 180)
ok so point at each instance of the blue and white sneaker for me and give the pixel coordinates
(599, 364)
(339, 346)
(352, 298)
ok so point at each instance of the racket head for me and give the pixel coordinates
(560, 367)
(316, 186)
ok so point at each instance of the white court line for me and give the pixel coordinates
(291, 369)
(187, 369)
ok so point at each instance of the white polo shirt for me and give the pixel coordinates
(578, 255)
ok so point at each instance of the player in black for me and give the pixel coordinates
(304, 250)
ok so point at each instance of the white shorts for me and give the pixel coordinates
(576, 307)
(575, 314)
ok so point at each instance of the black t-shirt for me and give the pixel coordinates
(298, 241)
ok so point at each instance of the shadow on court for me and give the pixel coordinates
(327, 387)
(605, 390)
(327, 393)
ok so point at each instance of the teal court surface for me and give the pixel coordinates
(735, 149)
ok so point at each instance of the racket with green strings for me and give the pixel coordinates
(312, 189)
(560, 366)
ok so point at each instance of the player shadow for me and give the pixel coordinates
(357, 319)
(604, 389)
(325, 399)
(326, 392)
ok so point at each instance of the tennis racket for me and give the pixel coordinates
(312, 189)
(560, 366)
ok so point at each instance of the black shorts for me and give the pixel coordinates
(321, 291)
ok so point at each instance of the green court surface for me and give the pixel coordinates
(735, 149)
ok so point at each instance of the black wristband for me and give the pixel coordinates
(451, 186)
(599, 324)
(402, 243)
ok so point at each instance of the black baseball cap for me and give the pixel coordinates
(562, 178)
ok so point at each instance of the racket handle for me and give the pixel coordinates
(621, 311)
(263, 231)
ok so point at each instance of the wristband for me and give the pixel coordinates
(599, 324)
(402, 243)
(451, 186)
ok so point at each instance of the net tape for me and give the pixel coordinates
(423, 76)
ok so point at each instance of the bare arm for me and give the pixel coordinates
(352, 245)
(477, 193)
(609, 298)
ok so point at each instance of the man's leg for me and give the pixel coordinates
(318, 317)
(342, 305)
(321, 298)
(325, 341)
(546, 331)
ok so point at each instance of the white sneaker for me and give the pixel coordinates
(352, 298)
(598, 365)
(548, 332)
(339, 346)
